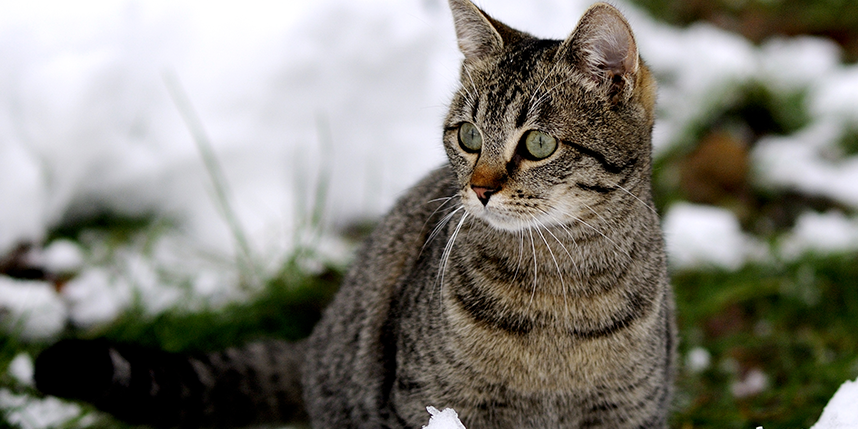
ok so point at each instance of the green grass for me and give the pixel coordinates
(287, 308)
(795, 322)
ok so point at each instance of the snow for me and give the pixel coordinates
(698, 70)
(356, 88)
(841, 412)
(447, 419)
(698, 360)
(753, 383)
(796, 63)
(62, 256)
(293, 94)
(93, 299)
(704, 236)
(30, 413)
(821, 233)
(21, 369)
(30, 309)
(802, 161)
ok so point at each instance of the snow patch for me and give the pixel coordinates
(23, 191)
(31, 309)
(698, 70)
(841, 411)
(31, 413)
(698, 360)
(447, 419)
(62, 256)
(803, 161)
(93, 298)
(704, 236)
(21, 369)
(753, 383)
(820, 233)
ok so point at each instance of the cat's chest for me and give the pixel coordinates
(532, 315)
(540, 348)
(474, 367)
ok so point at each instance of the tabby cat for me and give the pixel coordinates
(523, 284)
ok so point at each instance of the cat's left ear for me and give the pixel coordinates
(480, 35)
(603, 47)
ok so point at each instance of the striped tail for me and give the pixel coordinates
(258, 383)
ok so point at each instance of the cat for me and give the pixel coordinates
(523, 284)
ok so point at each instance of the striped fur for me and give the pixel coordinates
(523, 291)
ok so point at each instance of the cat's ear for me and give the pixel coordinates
(480, 35)
(603, 46)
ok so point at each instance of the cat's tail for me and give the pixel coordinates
(254, 384)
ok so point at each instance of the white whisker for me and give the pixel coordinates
(473, 85)
(596, 230)
(547, 93)
(448, 249)
(568, 232)
(520, 254)
(599, 215)
(551, 252)
(440, 226)
(636, 197)
(445, 199)
(554, 236)
(530, 103)
(535, 268)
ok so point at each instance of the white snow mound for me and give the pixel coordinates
(842, 410)
(447, 419)
(704, 236)
(30, 309)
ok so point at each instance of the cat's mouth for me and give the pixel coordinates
(502, 214)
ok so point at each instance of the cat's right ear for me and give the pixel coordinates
(479, 35)
(604, 48)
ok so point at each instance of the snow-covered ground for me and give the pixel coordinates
(350, 93)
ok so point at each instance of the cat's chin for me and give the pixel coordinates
(500, 221)
(508, 225)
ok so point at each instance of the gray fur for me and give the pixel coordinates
(522, 292)
(548, 307)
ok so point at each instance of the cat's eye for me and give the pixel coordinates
(470, 138)
(539, 145)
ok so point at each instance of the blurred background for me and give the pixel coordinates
(193, 175)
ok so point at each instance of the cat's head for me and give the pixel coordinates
(542, 131)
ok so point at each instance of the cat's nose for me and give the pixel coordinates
(483, 193)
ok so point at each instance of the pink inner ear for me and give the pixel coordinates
(611, 47)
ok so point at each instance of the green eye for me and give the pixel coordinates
(539, 145)
(470, 138)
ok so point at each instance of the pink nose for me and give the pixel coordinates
(483, 194)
